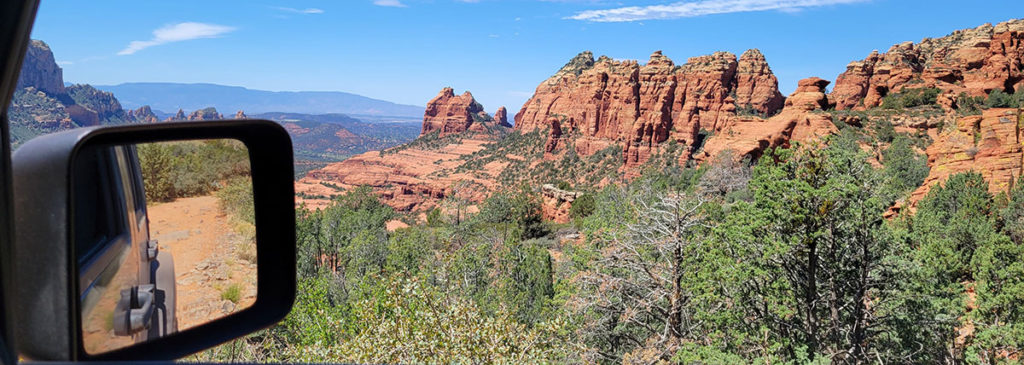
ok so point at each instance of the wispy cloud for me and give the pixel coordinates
(687, 9)
(300, 11)
(65, 63)
(392, 3)
(177, 33)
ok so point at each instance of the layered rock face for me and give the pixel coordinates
(802, 119)
(639, 107)
(973, 61)
(40, 70)
(990, 144)
(451, 114)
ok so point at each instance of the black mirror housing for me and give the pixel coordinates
(46, 297)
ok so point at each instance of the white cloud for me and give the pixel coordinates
(65, 63)
(300, 11)
(177, 33)
(687, 9)
(394, 3)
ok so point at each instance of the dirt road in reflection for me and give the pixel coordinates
(214, 278)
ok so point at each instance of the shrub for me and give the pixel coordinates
(172, 170)
(583, 206)
(1000, 99)
(233, 293)
(909, 98)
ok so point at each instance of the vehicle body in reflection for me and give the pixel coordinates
(126, 285)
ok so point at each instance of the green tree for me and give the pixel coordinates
(905, 169)
(812, 257)
(965, 262)
(582, 207)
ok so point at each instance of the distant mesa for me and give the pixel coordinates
(172, 96)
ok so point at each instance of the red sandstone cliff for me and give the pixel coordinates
(639, 107)
(989, 144)
(973, 61)
(802, 119)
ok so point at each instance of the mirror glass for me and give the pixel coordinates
(164, 237)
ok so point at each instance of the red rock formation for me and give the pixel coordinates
(241, 115)
(83, 117)
(179, 116)
(556, 203)
(556, 133)
(205, 114)
(640, 107)
(452, 114)
(802, 119)
(501, 117)
(143, 114)
(756, 86)
(972, 61)
(989, 144)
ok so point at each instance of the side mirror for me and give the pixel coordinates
(111, 260)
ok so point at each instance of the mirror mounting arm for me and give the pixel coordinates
(134, 312)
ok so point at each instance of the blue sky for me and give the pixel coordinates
(407, 50)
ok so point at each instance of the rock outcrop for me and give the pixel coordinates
(605, 101)
(143, 114)
(40, 70)
(241, 115)
(209, 113)
(98, 105)
(556, 203)
(803, 119)
(756, 86)
(973, 61)
(451, 114)
(205, 114)
(989, 144)
(179, 116)
(501, 117)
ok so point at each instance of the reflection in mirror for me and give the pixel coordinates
(164, 237)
